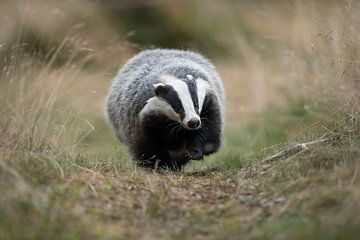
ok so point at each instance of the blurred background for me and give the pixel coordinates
(291, 71)
(265, 51)
(62, 55)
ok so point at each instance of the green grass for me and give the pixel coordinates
(63, 175)
(94, 192)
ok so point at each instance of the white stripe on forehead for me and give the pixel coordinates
(202, 88)
(184, 94)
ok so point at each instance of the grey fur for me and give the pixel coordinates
(133, 86)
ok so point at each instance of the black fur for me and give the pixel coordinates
(159, 135)
(154, 140)
(193, 93)
(168, 93)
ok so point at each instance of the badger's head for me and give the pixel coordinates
(179, 99)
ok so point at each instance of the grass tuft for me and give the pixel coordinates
(63, 175)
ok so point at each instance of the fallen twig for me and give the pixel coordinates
(293, 150)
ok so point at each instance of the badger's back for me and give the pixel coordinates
(133, 85)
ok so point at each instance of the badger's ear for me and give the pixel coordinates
(159, 89)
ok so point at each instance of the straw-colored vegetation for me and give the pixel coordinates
(291, 72)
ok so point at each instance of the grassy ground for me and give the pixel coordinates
(292, 76)
(53, 188)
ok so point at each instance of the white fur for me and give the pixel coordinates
(158, 85)
(183, 91)
(202, 88)
(157, 105)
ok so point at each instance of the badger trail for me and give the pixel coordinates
(168, 107)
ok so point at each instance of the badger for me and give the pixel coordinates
(168, 107)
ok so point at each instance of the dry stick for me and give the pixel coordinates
(293, 150)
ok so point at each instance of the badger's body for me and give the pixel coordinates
(168, 106)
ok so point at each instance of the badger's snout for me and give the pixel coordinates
(194, 123)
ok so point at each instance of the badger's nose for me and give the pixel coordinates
(194, 123)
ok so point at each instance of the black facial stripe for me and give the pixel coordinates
(193, 93)
(172, 97)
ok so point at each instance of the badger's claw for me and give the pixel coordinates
(194, 154)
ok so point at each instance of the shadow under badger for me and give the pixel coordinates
(168, 107)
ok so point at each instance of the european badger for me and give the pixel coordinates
(168, 107)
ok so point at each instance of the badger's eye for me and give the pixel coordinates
(196, 105)
(177, 109)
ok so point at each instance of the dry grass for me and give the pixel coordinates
(293, 76)
(289, 49)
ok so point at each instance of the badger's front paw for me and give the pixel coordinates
(194, 154)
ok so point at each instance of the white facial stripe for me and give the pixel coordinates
(155, 105)
(158, 85)
(183, 91)
(202, 87)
